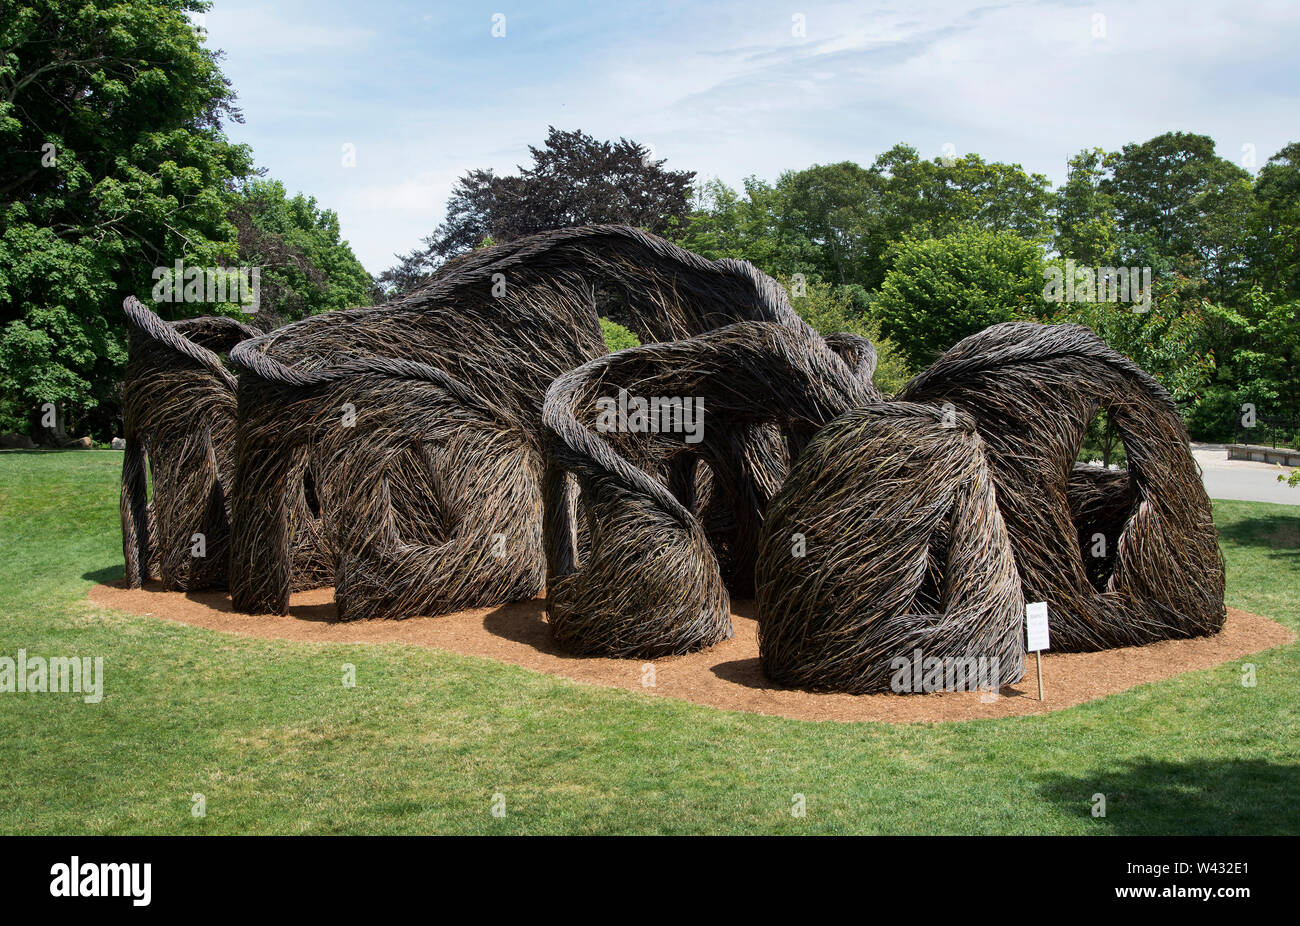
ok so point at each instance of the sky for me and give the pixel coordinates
(376, 107)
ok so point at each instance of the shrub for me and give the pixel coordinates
(616, 336)
(831, 309)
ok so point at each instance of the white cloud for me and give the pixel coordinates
(727, 91)
(262, 30)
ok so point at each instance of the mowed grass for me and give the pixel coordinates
(275, 743)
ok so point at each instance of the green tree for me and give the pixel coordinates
(114, 163)
(937, 197)
(616, 336)
(835, 207)
(1257, 351)
(1180, 208)
(1276, 258)
(837, 222)
(1166, 337)
(747, 225)
(830, 309)
(1084, 213)
(305, 267)
(940, 290)
(1168, 341)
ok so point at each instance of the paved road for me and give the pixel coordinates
(1238, 479)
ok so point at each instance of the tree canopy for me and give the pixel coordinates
(839, 221)
(940, 290)
(306, 268)
(574, 179)
(114, 163)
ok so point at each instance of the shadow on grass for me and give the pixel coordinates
(1277, 533)
(1221, 796)
(107, 574)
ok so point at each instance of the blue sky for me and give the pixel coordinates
(425, 92)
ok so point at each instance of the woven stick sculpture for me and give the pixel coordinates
(179, 415)
(643, 579)
(485, 338)
(427, 483)
(658, 290)
(884, 550)
(1120, 560)
(858, 353)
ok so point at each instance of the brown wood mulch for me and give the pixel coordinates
(725, 676)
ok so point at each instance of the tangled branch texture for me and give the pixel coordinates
(455, 448)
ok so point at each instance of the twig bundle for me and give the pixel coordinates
(179, 420)
(178, 414)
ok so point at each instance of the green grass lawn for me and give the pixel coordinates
(269, 735)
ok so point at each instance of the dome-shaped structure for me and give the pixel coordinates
(1121, 560)
(415, 497)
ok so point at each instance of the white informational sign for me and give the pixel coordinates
(1036, 627)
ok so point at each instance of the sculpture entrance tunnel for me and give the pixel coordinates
(633, 552)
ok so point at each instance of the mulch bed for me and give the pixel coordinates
(725, 676)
